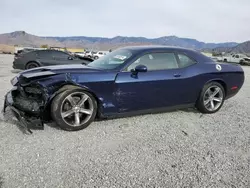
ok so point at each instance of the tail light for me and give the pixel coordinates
(18, 56)
(234, 88)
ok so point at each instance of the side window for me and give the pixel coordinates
(237, 56)
(58, 54)
(44, 54)
(156, 61)
(185, 61)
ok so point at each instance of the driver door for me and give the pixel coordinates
(156, 88)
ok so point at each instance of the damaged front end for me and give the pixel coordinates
(28, 102)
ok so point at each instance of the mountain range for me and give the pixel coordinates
(21, 38)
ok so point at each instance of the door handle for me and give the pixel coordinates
(177, 75)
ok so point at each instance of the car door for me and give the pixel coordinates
(62, 58)
(160, 86)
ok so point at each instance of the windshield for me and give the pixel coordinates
(111, 60)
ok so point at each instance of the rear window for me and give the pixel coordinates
(185, 61)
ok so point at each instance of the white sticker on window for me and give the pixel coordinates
(121, 57)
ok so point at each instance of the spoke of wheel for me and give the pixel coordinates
(86, 111)
(217, 90)
(212, 105)
(77, 119)
(67, 113)
(217, 99)
(71, 100)
(83, 100)
(206, 102)
(210, 92)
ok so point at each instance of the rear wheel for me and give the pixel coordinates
(32, 65)
(74, 109)
(211, 98)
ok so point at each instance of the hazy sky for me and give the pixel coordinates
(205, 20)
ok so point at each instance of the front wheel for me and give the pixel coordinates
(211, 98)
(74, 110)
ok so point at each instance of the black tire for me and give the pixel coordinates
(225, 60)
(56, 108)
(242, 62)
(96, 57)
(32, 65)
(200, 102)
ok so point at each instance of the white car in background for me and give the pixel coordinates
(99, 54)
(236, 58)
(88, 54)
(80, 54)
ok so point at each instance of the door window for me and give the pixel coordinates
(156, 61)
(44, 54)
(60, 55)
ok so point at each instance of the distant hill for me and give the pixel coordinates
(22, 38)
(243, 48)
(122, 41)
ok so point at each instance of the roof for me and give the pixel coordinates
(144, 48)
(155, 47)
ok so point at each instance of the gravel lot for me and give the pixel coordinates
(175, 149)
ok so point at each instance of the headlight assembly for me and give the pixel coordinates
(33, 90)
(14, 81)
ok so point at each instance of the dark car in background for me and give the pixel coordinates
(38, 58)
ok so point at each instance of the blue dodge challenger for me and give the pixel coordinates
(127, 81)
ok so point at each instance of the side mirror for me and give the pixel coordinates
(140, 68)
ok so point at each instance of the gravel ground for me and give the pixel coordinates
(175, 149)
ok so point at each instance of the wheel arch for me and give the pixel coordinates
(33, 61)
(65, 87)
(220, 81)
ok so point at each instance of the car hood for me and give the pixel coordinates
(57, 69)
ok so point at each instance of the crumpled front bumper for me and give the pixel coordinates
(25, 121)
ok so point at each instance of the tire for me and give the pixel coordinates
(204, 104)
(32, 65)
(74, 108)
(96, 57)
(225, 60)
(242, 62)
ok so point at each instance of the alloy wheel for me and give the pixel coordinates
(76, 109)
(213, 98)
